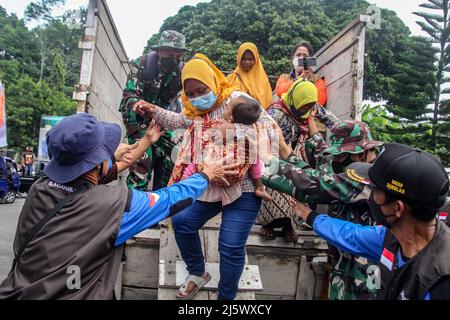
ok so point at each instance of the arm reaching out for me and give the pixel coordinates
(126, 157)
(168, 119)
(364, 241)
(148, 208)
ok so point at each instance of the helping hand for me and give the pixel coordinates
(123, 149)
(301, 209)
(219, 172)
(144, 109)
(154, 132)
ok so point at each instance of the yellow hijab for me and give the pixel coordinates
(202, 69)
(254, 82)
(300, 93)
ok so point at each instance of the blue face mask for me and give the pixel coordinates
(204, 102)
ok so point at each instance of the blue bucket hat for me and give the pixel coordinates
(78, 144)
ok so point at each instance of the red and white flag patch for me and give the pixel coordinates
(443, 216)
(152, 198)
(387, 259)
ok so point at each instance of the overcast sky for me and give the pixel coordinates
(138, 20)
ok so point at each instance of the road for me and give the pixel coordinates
(9, 214)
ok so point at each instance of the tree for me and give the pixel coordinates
(33, 90)
(405, 116)
(437, 26)
(58, 72)
(28, 100)
(19, 49)
(42, 12)
(219, 27)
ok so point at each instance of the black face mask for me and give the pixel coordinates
(169, 63)
(377, 214)
(340, 167)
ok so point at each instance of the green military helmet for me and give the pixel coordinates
(171, 39)
(351, 136)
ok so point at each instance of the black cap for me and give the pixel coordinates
(410, 173)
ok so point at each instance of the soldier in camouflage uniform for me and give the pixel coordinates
(157, 80)
(330, 184)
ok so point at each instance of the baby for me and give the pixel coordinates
(243, 110)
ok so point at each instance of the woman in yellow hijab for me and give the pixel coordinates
(293, 115)
(250, 76)
(203, 83)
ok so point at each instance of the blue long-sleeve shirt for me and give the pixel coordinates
(149, 208)
(363, 241)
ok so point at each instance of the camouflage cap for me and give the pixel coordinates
(171, 39)
(351, 136)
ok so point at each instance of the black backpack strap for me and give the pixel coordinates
(61, 204)
(149, 68)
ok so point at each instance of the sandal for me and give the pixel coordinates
(290, 235)
(267, 233)
(199, 283)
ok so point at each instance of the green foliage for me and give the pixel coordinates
(19, 48)
(42, 10)
(27, 101)
(413, 80)
(387, 127)
(38, 67)
(218, 28)
(58, 72)
(437, 26)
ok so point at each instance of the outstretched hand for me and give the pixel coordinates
(154, 132)
(123, 149)
(301, 209)
(144, 109)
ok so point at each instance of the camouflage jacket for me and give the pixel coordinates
(347, 200)
(147, 82)
(159, 91)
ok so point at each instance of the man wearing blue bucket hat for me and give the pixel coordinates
(71, 232)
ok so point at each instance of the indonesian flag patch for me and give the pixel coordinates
(152, 198)
(387, 259)
(443, 216)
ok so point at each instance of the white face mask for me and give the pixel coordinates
(295, 63)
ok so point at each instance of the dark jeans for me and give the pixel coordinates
(28, 169)
(237, 221)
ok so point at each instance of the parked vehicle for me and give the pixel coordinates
(9, 180)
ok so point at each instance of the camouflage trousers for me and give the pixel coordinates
(157, 161)
(349, 277)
